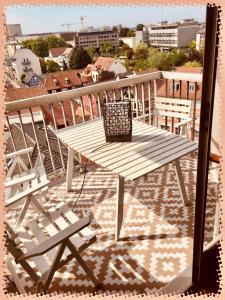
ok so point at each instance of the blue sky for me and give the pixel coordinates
(37, 19)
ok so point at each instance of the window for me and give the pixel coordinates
(191, 87)
(176, 86)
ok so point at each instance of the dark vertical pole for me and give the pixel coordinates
(207, 100)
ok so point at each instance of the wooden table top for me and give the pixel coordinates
(150, 148)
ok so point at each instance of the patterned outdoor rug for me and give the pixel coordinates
(156, 237)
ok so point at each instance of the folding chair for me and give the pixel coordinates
(24, 185)
(44, 245)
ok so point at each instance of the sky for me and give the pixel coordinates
(40, 19)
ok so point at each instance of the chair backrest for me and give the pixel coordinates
(173, 108)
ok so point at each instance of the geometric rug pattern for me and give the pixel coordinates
(156, 238)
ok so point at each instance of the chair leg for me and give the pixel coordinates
(181, 182)
(23, 212)
(82, 263)
(54, 266)
(70, 166)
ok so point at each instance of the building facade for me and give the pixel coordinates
(130, 41)
(26, 65)
(13, 30)
(60, 55)
(200, 37)
(142, 36)
(96, 38)
(178, 35)
(106, 64)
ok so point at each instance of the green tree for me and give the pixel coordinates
(106, 75)
(139, 27)
(178, 57)
(53, 41)
(192, 44)
(114, 29)
(43, 65)
(79, 58)
(193, 63)
(64, 65)
(141, 51)
(22, 77)
(124, 31)
(129, 53)
(126, 51)
(91, 51)
(38, 46)
(121, 43)
(131, 33)
(194, 55)
(52, 66)
(106, 49)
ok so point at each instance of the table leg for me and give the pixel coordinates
(119, 207)
(181, 182)
(70, 165)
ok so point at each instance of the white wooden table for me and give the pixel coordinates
(150, 149)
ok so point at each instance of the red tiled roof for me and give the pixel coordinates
(58, 80)
(55, 52)
(104, 62)
(189, 69)
(68, 111)
(13, 94)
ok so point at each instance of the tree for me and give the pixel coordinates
(193, 63)
(141, 51)
(114, 29)
(106, 75)
(178, 57)
(126, 51)
(129, 53)
(124, 31)
(43, 65)
(79, 58)
(106, 49)
(131, 33)
(121, 43)
(53, 41)
(139, 27)
(64, 66)
(91, 51)
(194, 55)
(22, 77)
(52, 66)
(38, 46)
(192, 44)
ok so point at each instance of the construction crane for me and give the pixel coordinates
(71, 24)
(68, 25)
(82, 20)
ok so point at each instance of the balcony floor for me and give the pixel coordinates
(156, 237)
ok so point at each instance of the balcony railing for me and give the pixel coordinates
(83, 104)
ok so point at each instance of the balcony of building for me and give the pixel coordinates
(156, 241)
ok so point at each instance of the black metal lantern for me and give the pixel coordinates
(117, 120)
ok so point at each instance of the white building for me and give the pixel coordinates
(142, 36)
(107, 64)
(26, 64)
(60, 55)
(130, 41)
(178, 35)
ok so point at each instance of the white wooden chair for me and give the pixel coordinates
(24, 185)
(44, 245)
(173, 113)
